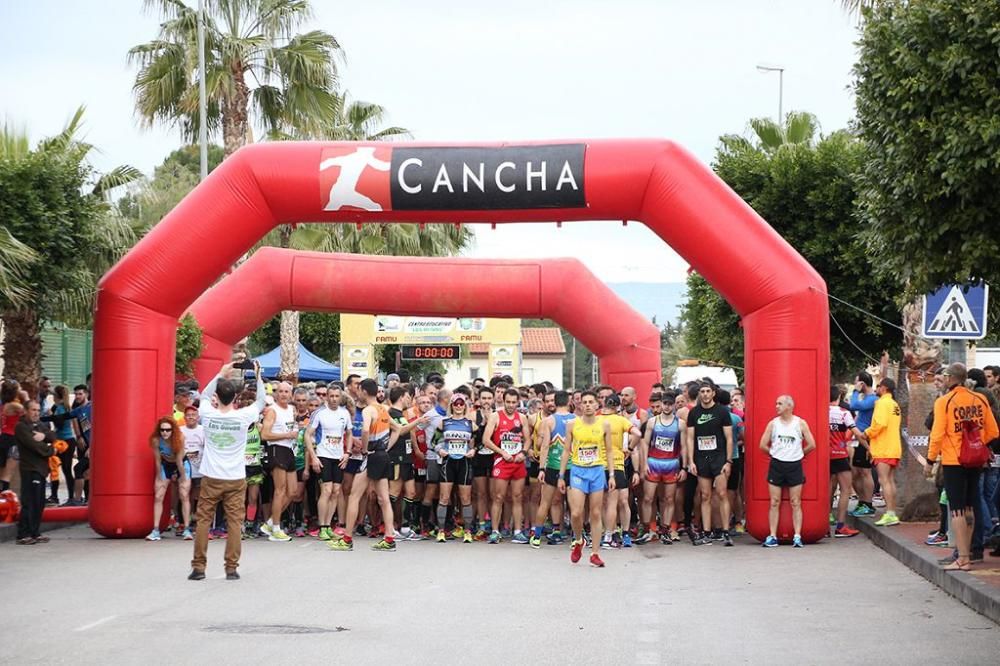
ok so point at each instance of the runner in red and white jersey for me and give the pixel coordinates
(842, 432)
(507, 434)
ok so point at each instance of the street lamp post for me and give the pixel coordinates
(781, 86)
(202, 101)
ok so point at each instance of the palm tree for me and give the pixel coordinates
(26, 289)
(799, 128)
(354, 121)
(257, 70)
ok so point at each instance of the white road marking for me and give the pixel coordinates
(97, 623)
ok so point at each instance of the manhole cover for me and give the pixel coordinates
(283, 629)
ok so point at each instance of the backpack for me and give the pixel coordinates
(974, 453)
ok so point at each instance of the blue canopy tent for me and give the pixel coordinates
(311, 367)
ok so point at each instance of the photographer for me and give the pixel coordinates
(222, 467)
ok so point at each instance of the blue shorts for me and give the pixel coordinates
(588, 479)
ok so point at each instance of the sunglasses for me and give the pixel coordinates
(166, 429)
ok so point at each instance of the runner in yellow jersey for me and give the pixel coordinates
(535, 463)
(589, 447)
(624, 438)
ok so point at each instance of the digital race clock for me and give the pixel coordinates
(429, 352)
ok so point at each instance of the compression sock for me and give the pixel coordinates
(297, 516)
(537, 531)
(449, 522)
(425, 516)
(467, 517)
(55, 489)
(407, 512)
(442, 513)
(251, 512)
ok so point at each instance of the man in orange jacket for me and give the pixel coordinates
(961, 484)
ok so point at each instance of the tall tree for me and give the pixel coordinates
(927, 107)
(258, 70)
(799, 127)
(63, 232)
(808, 194)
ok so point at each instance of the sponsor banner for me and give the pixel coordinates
(357, 360)
(383, 178)
(505, 360)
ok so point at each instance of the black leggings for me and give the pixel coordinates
(66, 460)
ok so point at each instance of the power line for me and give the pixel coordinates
(872, 315)
(852, 341)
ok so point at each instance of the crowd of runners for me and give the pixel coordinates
(490, 462)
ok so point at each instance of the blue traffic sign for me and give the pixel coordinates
(956, 311)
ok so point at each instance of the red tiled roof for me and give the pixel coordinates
(534, 341)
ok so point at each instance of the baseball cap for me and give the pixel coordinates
(391, 376)
(458, 397)
(612, 401)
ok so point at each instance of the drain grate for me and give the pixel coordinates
(282, 629)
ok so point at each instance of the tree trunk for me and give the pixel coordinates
(289, 370)
(22, 346)
(235, 115)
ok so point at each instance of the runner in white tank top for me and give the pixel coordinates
(782, 440)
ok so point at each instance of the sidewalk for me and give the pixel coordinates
(8, 531)
(978, 589)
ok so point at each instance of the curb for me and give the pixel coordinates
(967, 588)
(8, 531)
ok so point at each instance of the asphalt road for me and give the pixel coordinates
(84, 599)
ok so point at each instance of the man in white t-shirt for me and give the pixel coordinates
(782, 440)
(329, 456)
(194, 446)
(222, 467)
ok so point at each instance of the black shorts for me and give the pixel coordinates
(401, 471)
(378, 466)
(482, 466)
(300, 475)
(533, 469)
(354, 466)
(457, 470)
(81, 467)
(961, 484)
(838, 465)
(786, 474)
(280, 457)
(621, 482)
(6, 444)
(552, 477)
(331, 471)
(861, 458)
(709, 466)
(735, 475)
(629, 468)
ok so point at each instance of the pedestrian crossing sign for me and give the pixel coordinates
(956, 311)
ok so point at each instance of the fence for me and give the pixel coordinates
(68, 354)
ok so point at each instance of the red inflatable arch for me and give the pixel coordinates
(272, 280)
(778, 295)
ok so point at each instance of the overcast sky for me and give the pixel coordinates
(455, 71)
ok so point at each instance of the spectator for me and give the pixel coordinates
(984, 512)
(34, 442)
(66, 432)
(961, 484)
(10, 396)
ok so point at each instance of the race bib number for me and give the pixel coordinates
(249, 460)
(664, 444)
(707, 443)
(194, 457)
(996, 461)
(587, 455)
(409, 446)
(457, 447)
(510, 446)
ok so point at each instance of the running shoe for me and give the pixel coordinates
(313, 532)
(385, 546)
(300, 532)
(770, 542)
(467, 537)
(535, 542)
(740, 528)
(726, 539)
(555, 538)
(178, 530)
(797, 542)
(458, 533)
(481, 535)
(716, 535)
(154, 535)
(577, 551)
(265, 529)
(338, 531)
(278, 535)
(936, 539)
(844, 531)
(888, 519)
(862, 510)
(607, 544)
(441, 536)
(666, 540)
(415, 536)
(187, 534)
(646, 538)
(340, 544)
(703, 540)
(596, 561)
(405, 532)
(675, 535)
(505, 533)
(52, 501)
(626, 540)
(519, 537)
(324, 534)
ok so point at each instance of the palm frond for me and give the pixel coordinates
(120, 176)
(769, 133)
(14, 142)
(15, 258)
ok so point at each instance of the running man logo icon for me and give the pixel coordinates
(355, 178)
(954, 315)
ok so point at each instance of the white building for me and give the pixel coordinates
(542, 356)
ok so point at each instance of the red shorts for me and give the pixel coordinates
(891, 462)
(508, 471)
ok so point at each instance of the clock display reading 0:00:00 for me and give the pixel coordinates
(429, 352)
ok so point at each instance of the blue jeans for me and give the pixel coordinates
(981, 517)
(991, 485)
